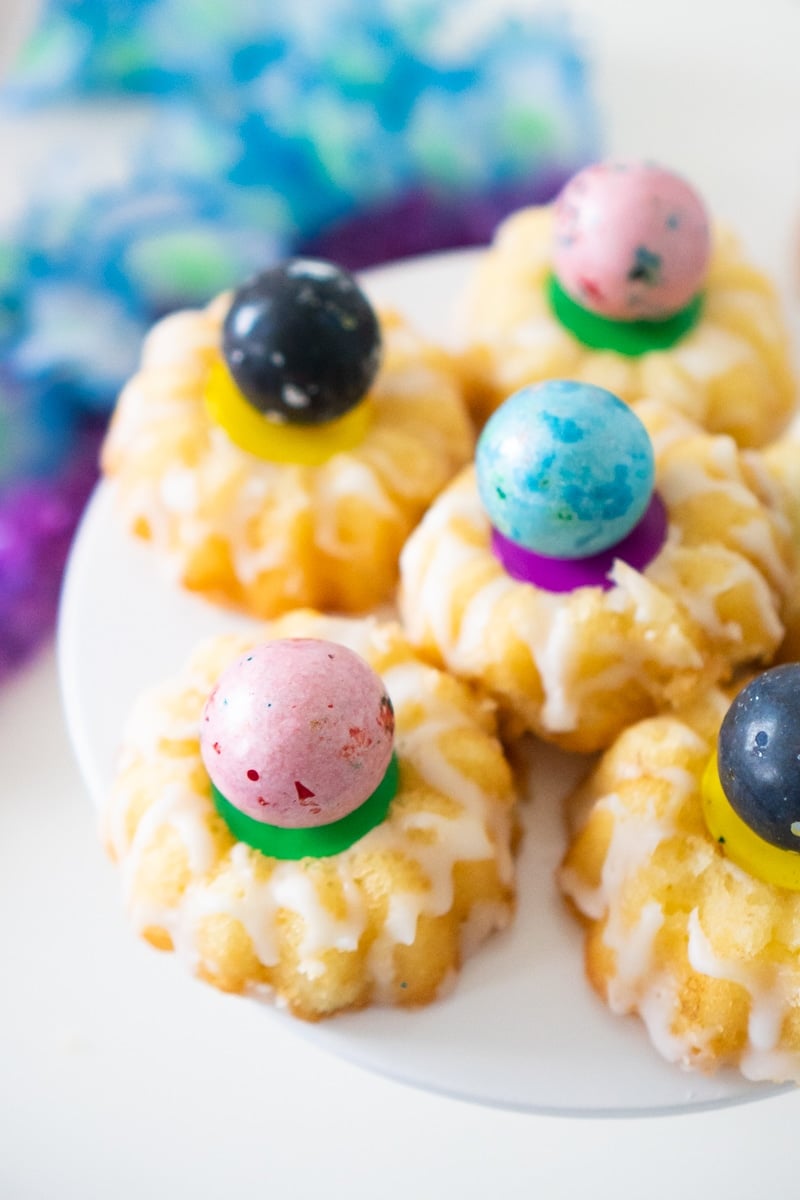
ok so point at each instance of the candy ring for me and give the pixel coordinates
(307, 445)
(631, 338)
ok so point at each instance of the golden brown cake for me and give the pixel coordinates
(782, 461)
(705, 953)
(577, 667)
(387, 921)
(732, 373)
(270, 536)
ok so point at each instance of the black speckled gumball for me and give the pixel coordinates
(759, 756)
(302, 341)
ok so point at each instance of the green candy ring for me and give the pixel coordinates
(631, 338)
(320, 841)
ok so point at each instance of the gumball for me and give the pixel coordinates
(302, 342)
(564, 469)
(297, 733)
(759, 756)
(631, 241)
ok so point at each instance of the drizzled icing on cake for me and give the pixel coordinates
(183, 481)
(672, 622)
(642, 976)
(739, 350)
(770, 990)
(457, 821)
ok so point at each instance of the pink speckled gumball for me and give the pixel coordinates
(631, 241)
(298, 732)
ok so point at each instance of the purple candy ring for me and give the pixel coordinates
(637, 549)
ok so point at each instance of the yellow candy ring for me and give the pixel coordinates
(300, 349)
(275, 440)
(740, 843)
(751, 788)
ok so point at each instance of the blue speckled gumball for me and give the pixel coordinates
(565, 469)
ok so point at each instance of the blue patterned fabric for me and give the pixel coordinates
(360, 129)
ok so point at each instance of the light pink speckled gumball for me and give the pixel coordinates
(631, 241)
(298, 732)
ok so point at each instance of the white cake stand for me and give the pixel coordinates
(522, 1029)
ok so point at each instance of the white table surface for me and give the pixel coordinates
(104, 1092)
(103, 1096)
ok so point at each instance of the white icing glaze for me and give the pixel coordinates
(478, 830)
(179, 490)
(542, 333)
(702, 605)
(633, 948)
(764, 551)
(710, 351)
(218, 490)
(168, 341)
(656, 1007)
(769, 990)
(676, 623)
(478, 615)
(510, 338)
(553, 654)
(638, 982)
(358, 479)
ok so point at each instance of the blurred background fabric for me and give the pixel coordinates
(358, 130)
